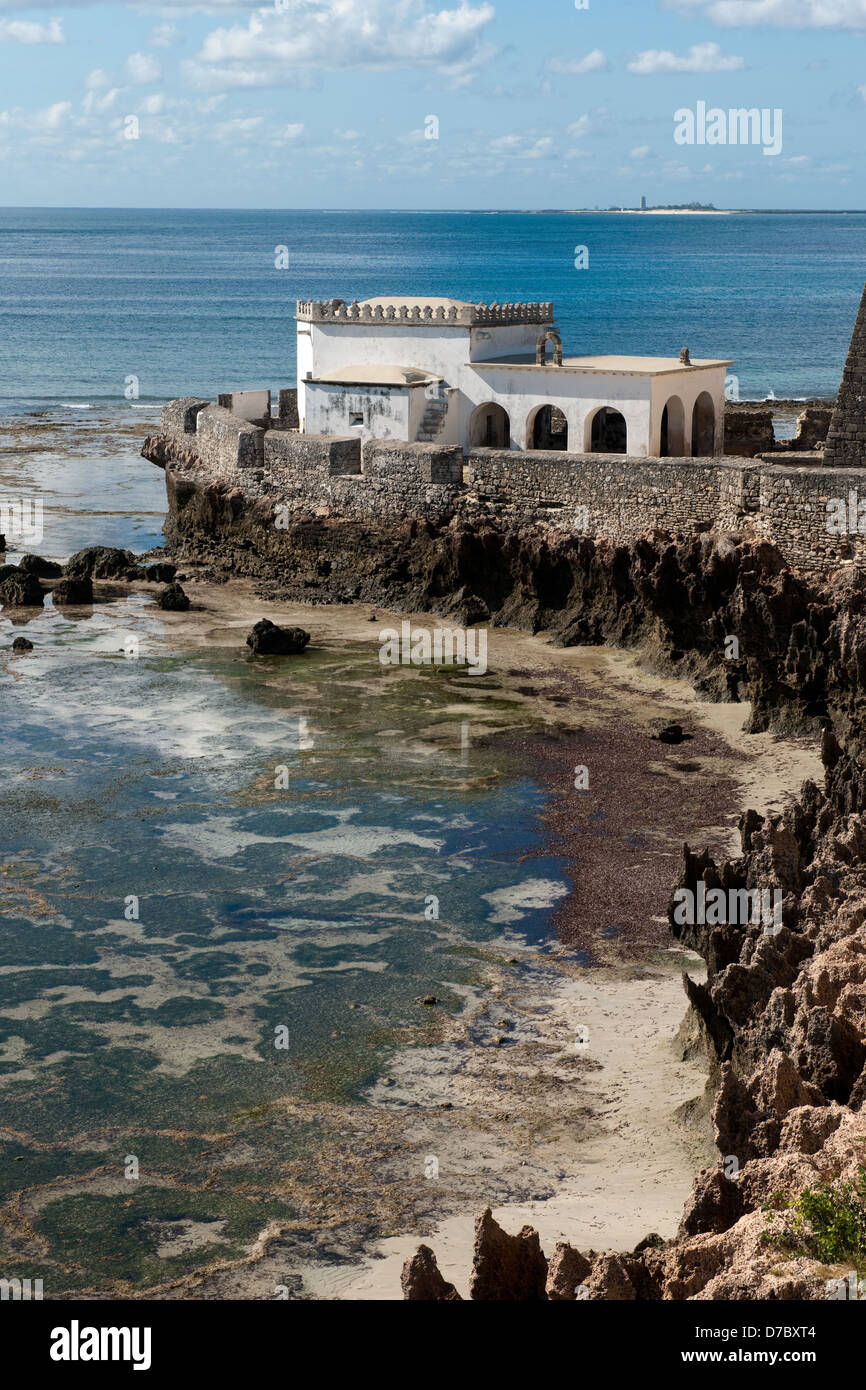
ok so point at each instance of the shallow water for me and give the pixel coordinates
(219, 882)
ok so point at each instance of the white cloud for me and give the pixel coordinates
(49, 119)
(639, 152)
(142, 68)
(701, 57)
(783, 14)
(524, 146)
(589, 123)
(26, 31)
(596, 61)
(164, 36)
(276, 46)
(93, 102)
(97, 78)
(239, 128)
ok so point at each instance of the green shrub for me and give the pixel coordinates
(827, 1223)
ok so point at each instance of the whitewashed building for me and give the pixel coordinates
(494, 375)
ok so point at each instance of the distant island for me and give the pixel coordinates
(670, 207)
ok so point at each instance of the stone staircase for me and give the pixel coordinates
(434, 417)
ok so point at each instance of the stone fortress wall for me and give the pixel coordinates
(610, 496)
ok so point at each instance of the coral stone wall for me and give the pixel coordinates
(811, 513)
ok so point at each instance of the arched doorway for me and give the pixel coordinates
(607, 432)
(704, 427)
(546, 428)
(489, 427)
(673, 431)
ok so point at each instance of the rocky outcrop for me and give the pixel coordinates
(42, 568)
(73, 591)
(421, 1278)
(267, 639)
(19, 588)
(173, 599)
(504, 1266)
(102, 562)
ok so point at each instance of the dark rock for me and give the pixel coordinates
(42, 568)
(100, 562)
(22, 644)
(266, 639)
(18, 589)
(75, 592)
(173, 599)
(506, 1267)
(161, 572)
(671, 733)
(421, 1278)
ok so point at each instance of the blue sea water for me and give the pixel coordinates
(191, 302)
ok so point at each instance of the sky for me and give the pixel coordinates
(425, 104)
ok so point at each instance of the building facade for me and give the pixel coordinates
(450, 372)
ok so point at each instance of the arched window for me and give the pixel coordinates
(606, 432)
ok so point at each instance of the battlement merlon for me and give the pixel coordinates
(446, 312)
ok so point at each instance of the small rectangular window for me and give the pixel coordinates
(356, 419)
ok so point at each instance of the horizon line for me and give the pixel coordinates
(522, 211)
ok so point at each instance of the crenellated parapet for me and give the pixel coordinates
(464, 315)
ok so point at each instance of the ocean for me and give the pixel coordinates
(103, 307)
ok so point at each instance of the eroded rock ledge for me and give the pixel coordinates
(783, 1014)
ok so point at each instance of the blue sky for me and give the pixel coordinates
(332, 103)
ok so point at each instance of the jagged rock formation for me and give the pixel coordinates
(784, 1022)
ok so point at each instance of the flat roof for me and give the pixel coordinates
(375, 374)
(613, 365)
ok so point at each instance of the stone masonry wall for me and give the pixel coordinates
(179, 418)
(606, 495)
(300, 457)
(223, 440)
(846, 440)
(613, 495)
